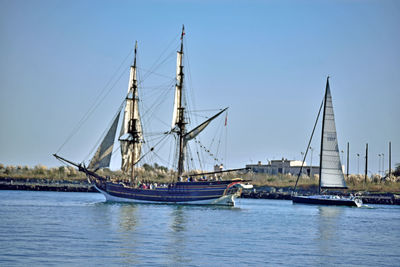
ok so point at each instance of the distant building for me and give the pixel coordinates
(283, 166)
(218, 168)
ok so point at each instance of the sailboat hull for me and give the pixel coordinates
(186, 193)
(328, 200)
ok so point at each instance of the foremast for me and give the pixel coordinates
(131, 130)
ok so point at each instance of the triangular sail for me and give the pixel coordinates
(331, 168)
(131, 129)
(193, 133)
(102, 157)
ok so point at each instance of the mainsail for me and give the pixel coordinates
(331, 173)
(131, 130)
(102, 157)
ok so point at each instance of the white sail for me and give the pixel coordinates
(131, 153)
(193, 133)
(102, 157)
(178, 91)
(331, 167)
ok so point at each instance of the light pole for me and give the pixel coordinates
(383, 164)
(311, 174)
(379, 168)
(341, 161)
(358, 163)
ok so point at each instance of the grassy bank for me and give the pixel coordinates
(354, 182)
(162, 174)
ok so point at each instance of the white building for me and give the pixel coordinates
(283, 166)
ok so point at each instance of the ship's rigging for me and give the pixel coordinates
(138, 141)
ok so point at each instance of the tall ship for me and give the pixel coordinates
(186, 187)
(330, 172)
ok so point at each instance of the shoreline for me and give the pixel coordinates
(35, 184)
(266, 192)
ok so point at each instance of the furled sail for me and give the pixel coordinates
(102, 157)
(193, 133)
(131, 130)
(331, 167)
(178, 89)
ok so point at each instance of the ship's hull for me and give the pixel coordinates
(328, 200)
(197, 193)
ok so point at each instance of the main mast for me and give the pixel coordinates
(180, 120)
(132, 122)
(322, 135)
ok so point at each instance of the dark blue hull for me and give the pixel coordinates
(207, 192)
(327, 200)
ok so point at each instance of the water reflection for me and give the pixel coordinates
(328, 221)
(127, 223)
(178, 219)
(328, 244)
(127, 218)
(177, 235)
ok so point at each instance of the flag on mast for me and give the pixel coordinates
(183, 31)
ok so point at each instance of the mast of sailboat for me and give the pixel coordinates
(132, 122)
(322, 134)
(133, 128)
(180, 121)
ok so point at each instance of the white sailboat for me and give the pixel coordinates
(331, 173)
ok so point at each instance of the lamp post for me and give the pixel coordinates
(383, 164)
(366, 164)
(358, 163)
(311, 174)
(379, 164)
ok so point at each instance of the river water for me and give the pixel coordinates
(80, 229)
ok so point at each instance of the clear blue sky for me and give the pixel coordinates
(266, 60)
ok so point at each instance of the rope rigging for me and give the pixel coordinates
(96, 103)
(153, 98)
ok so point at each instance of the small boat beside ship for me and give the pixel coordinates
(330, 172)
(185, 189)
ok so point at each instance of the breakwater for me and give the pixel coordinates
(266, 192)
(35, 184)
